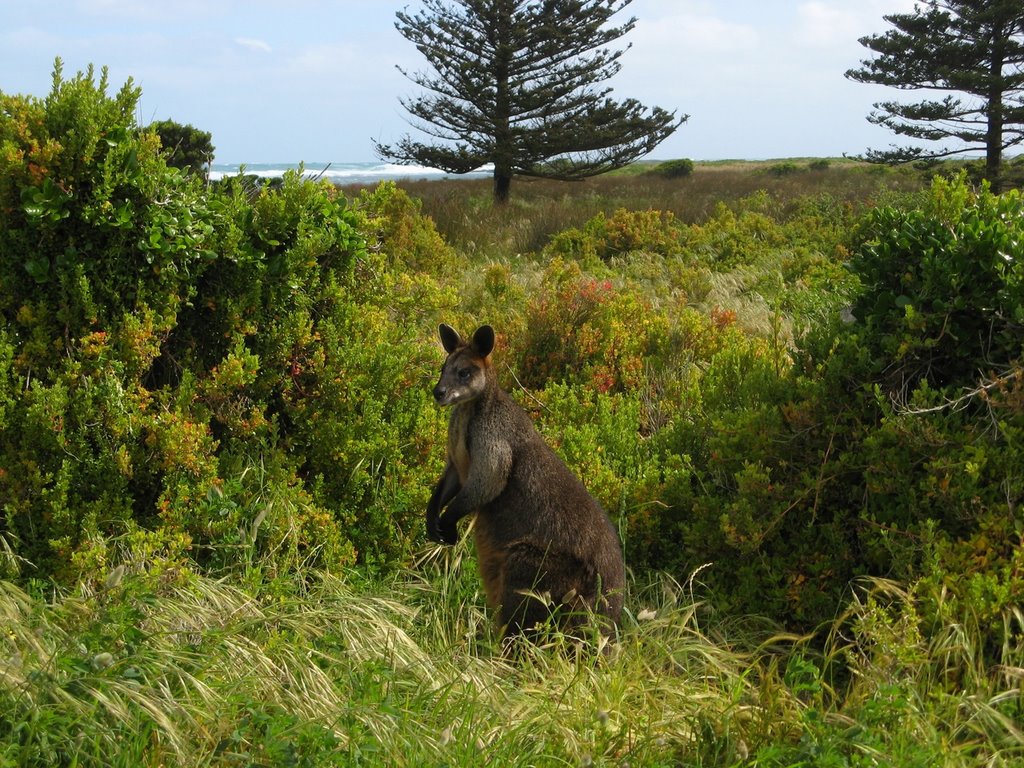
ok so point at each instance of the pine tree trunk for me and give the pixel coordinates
(503, 150)
(994, 134)
(502, 185)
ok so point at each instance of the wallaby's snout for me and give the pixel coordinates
(441, 394)
(460, 380)
(455, 384)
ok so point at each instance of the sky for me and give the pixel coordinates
(317, 81)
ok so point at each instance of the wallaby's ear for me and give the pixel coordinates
(483, 340)
(450, 338)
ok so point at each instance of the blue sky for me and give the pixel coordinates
(316, 80)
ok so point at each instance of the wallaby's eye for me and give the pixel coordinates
(465, 373)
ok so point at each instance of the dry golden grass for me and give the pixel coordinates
(324, 672)
(468, 219)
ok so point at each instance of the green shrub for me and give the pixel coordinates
(730, 238)
(100, 249)
(674, 169)
(891, 447)
(394, 221)
(623, 232)
(185, 146)
(192, 377)
(602, 437)
(785, 168)
(943, 290)
(96, 226)
(584, 330)
(340, 336)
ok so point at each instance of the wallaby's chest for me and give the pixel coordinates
(458, 439)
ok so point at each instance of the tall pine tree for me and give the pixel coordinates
(971, 54)
(516, 83)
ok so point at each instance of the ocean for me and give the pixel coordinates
(343, 173)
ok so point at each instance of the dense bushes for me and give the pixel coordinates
(100, 249)
(193, 376)
(786, 451)
(942, 316)
(808, 476)
(240, 376)
(945, 287)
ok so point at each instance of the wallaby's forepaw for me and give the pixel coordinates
(440, 531)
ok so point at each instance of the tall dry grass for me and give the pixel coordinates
(468, 218)
(203, 673)
(330, 670)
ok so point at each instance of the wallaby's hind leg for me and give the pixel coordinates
(524, 602)
(538, 583)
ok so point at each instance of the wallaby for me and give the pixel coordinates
(543, 543)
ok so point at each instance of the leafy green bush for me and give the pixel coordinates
(101, 246)
(184, 146)
(622, 233)
(674, 169)
(394, 220)
(939, 334)
(311, 354)
(806, 477)
(201, 377)
(602, 437)
(943, 286)
(584, 330)
(733, 237)
(785, 168)
(96, 226)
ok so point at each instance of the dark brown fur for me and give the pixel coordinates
(538, 533)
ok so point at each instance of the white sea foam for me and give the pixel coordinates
(342, 173)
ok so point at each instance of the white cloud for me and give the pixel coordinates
(829, 23)
(692, 33)
(324, 60)
(823, 25)
(253, 44)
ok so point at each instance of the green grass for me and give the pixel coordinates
(325, 669)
